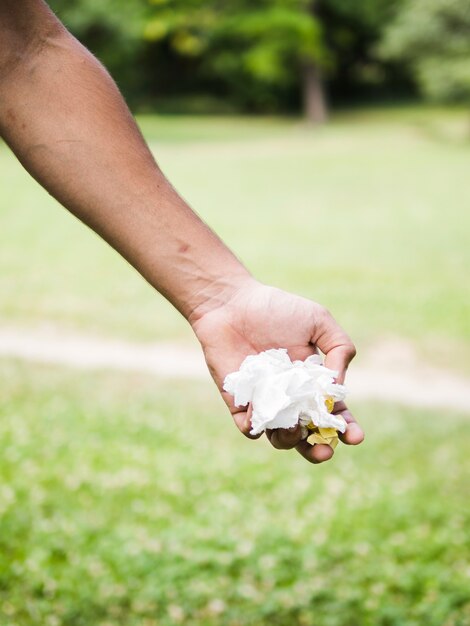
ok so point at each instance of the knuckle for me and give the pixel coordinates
(288, 445)
(283, 440)
(291, 437)
(245, 430)
(243, 425)
(350, 350)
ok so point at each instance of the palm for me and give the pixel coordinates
(264, 318)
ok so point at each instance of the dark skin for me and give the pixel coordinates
(64, 118)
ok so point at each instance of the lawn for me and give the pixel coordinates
(124, 501)
(369, 215)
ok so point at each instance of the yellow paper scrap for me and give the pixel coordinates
(328, 432)
(316, 439)
(328, 436)
(329, 403)
(334, 442)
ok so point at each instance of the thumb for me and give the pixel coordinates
(334, 342)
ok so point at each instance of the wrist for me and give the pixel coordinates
(217, 293)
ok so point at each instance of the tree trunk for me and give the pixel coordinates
(315, 108)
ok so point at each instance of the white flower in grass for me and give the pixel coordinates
(285, 393)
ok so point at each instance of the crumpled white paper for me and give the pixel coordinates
(285, 393)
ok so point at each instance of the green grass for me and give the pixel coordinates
(129, 502)
(368, 216)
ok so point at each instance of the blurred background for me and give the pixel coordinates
(328, 143)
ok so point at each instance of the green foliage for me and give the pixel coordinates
(127, 502)
(433, 36)
(256, 51)
(249, 54)
(244, 47)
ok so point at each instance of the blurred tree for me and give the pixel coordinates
(433, 37)
(246, 45)
(267, 56)
(314, 100)
(352, 33)
(260, 50)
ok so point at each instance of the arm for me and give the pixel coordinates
(66, 121)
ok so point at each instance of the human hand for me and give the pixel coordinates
(256, 318)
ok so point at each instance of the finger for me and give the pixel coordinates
(318, 453)
(353, 435)
(242, 420)
(285, 438)
(241, 415)
(334, 342)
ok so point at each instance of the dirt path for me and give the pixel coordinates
(389, 372)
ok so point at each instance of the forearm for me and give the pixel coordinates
(64, 118)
